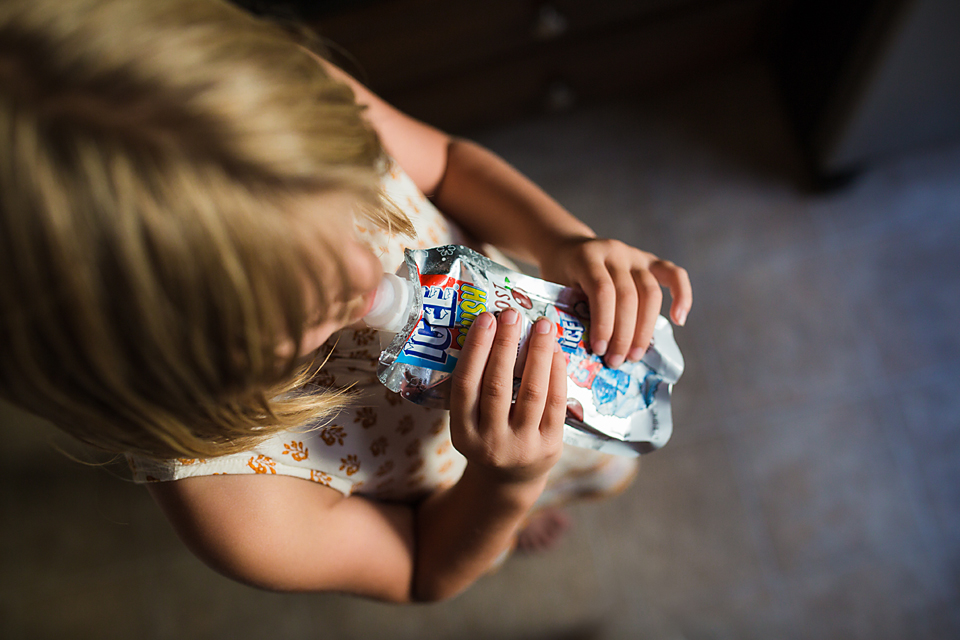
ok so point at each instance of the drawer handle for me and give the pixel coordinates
(560, 97)
(550, 23)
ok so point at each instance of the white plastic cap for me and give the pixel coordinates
(391, 304)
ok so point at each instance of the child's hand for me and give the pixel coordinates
(623, 286)
(516, 443)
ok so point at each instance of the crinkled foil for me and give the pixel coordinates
(624, 410)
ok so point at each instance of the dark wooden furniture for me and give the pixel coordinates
(460, 64)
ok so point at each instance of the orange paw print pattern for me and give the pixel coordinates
(333, 435)
(413, 448)
(262, 464)
(393, 399)
(385, 468)
(405, 425)
(324, 379)
(365, 336)
(445, 466)
(416, 481)
(350, 464)
(413, 205)
(321, 477)
(416, 466)
(379, 446)
(444, 447)
(296, 450)
(366, 416)
(438, 427)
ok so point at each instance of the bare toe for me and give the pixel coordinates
(544, 531)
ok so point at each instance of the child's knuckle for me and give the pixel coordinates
(557, 402)
(647, 281)
(654, 297)
(603, 288)
(462, 384)
(531, 392)
(496, 388)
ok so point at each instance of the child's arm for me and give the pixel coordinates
(497, 204)
(289, 534)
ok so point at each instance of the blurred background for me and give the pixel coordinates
(802, 161)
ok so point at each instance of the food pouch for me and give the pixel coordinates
(624, 410)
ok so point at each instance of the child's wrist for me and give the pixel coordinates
(520, 490)
(553, 245)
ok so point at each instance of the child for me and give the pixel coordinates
(194, 211)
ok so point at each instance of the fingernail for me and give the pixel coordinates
(600, 347)
(556, 347)
(543, 326)
(615, 361)
(635, 354)
(509, 316)
(682, 318)
(484, 320)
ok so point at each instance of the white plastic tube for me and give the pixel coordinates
(391, 304)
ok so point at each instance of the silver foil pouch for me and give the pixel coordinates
(625, 411)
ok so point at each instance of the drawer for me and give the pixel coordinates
(397, 43)
(625, 60)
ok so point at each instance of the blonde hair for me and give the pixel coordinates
(154, 157)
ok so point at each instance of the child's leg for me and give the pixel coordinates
(584, 473)
(580, 474)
